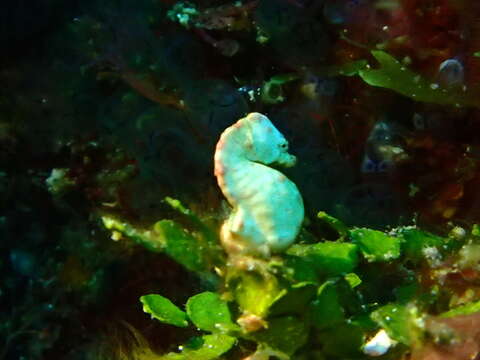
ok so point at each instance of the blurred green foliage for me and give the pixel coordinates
(322, 295)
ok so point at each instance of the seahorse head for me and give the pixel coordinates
(265, 143)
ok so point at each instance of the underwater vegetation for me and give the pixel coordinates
(141, 219)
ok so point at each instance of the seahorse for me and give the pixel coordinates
(267, 207)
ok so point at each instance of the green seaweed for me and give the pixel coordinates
(376, 245)
(393, 75)
(196, 250)
(402, 323)
(314, 294)
(207, 347)
(329, 257)
(285, 334)
(326, 310)
(466, 309)
(163, 310)
(208, 312)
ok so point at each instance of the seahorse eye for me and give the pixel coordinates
(284, 145)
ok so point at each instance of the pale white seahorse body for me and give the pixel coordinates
(267, 207)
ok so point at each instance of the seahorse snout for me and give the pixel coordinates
(287, 160)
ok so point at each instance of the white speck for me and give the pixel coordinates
(434, 86)
(379, 344)
(385, 28)
(432, 255)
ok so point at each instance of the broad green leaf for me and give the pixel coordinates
(395, 76)
(476, 230)
(181, 246)
(286, 334)
(299, 269)
(163, 309)
(343, 341)
(209, 312)
(207, 347)
(400, 322)
(353, 280)
(196, 251)
(139, 235)
(205, 231)
(416, 241)
(364, 321)
(295, 300)
(255, 293)
(326, 310)
(376, 245)
(406, 292)
(328, 258)
(466, 309)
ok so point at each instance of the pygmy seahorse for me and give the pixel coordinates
(267, 207)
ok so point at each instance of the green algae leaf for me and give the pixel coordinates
(198, 224)
(406, 292)
(329, 257)
(399, 321)
(333, 223)
(353, 280)
(326, 310)
(207, 347)
(168, 237)
(415, 241)
(476, 230)
(139, 235)
(298, 269)
(209, 312)
(295, 300)
(286, 334)
(255, 293)
(181, 246)
(376, 245)
(163, 309)
(466, 309)
(395, 76)
(343, 341)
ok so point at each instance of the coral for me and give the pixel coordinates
(267, 207)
